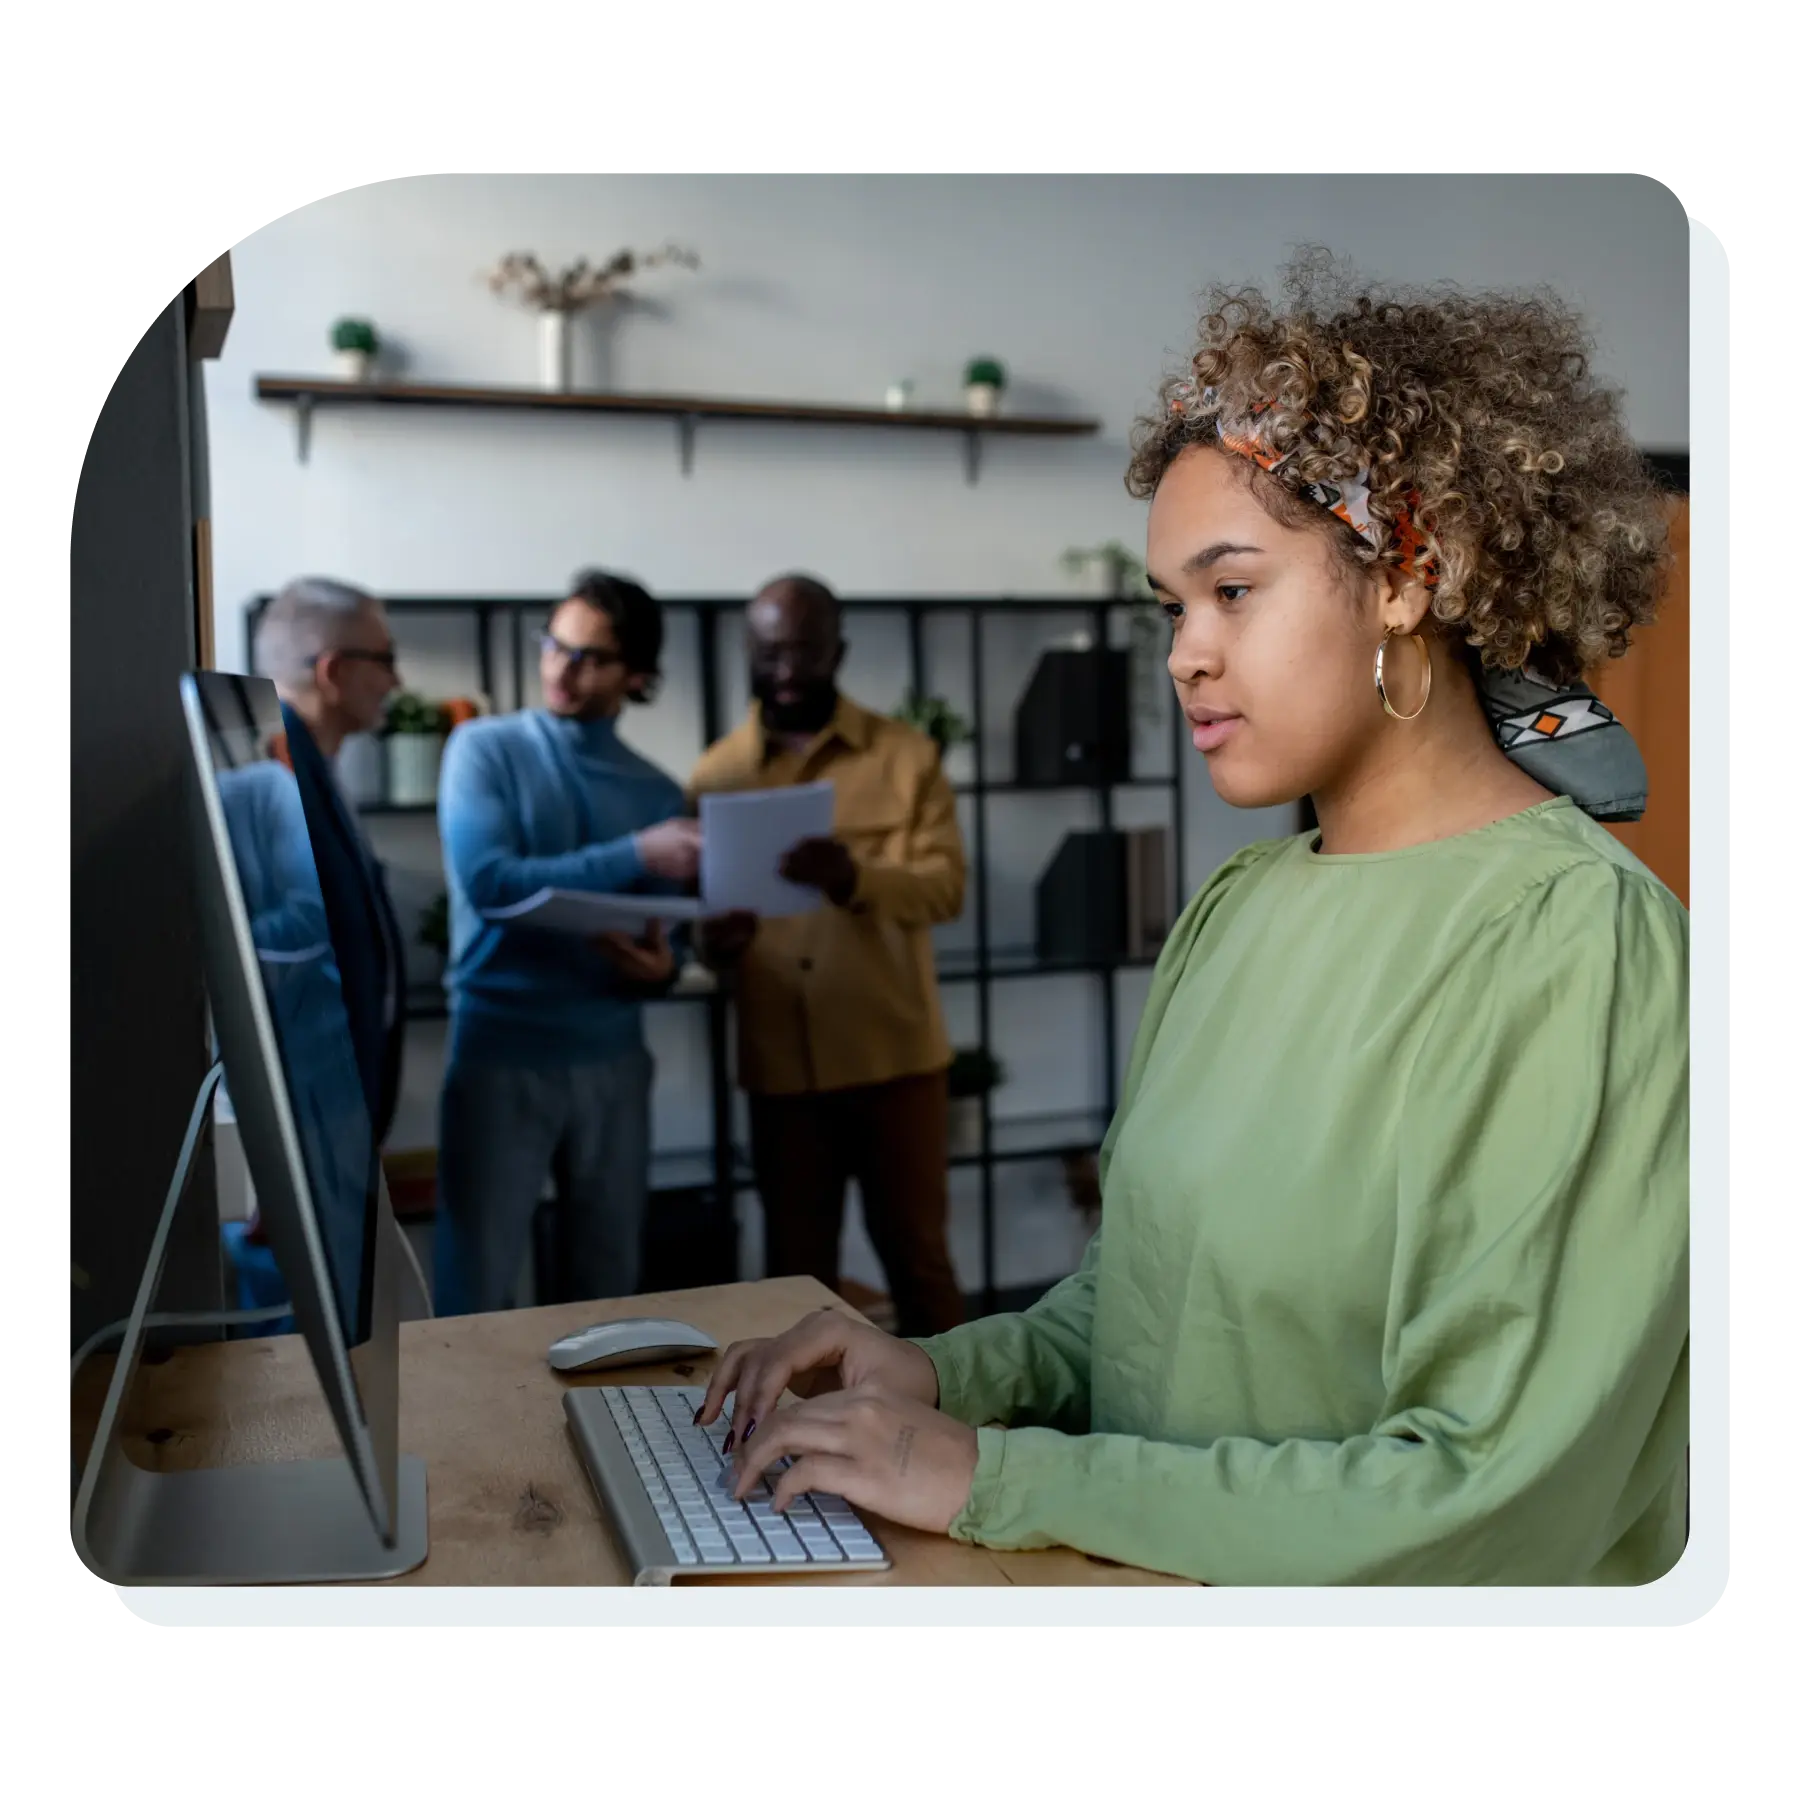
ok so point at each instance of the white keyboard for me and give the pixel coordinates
(666, 1483)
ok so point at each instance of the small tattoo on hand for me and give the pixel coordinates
(903, 1448)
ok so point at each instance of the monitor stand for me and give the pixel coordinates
(246, 1523)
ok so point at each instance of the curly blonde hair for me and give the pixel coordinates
(1477, 413)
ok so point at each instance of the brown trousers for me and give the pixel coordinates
(893, 1137)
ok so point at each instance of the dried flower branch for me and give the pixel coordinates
(582, 284)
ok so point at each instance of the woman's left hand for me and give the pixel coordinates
(907, 1462)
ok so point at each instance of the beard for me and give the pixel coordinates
(806, 712)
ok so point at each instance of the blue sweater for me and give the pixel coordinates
(531, 801)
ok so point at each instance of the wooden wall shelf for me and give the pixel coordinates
(306, 394)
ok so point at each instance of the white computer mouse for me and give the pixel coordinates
(618, 1342)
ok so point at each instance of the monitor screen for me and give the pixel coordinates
(265, 824)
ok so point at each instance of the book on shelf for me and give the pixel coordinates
(1104, 896)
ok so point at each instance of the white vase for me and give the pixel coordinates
(412, 768)
(553, 351)
(362, 770)
(351, 365)
(983, 399)
(965, 1126)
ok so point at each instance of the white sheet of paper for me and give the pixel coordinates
(743, 838)
(584, 915)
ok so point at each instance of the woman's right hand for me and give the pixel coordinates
(838, 1351)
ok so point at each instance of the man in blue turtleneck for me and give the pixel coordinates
(548, 1071)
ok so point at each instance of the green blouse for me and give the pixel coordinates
(1392, 1281)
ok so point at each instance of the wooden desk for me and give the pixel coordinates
(510, 1503)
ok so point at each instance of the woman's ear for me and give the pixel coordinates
(1402, 601)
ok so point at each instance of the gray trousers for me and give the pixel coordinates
(502, 1132)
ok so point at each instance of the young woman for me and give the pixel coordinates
(1392, 1284)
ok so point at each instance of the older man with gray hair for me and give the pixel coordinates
(327, 648)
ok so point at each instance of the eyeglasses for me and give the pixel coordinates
(579, 656)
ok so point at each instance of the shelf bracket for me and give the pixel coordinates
(688, 425)
(972, 456)
(303, 412)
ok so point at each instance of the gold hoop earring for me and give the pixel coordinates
(1387, 705)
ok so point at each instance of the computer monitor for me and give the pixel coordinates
(291, 1069)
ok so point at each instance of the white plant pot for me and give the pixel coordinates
(362, 770)
(983, 399)
(965, 1127)
(412, 768)
(352, 365)
(553, 352)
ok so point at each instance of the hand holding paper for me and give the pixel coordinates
(671, 850)
(821, 863)
(744, 839)
(768, 852)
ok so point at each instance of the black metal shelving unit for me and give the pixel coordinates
(721, 1167)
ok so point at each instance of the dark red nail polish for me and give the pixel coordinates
(698, 1410)
(730, 1439)
(748, 1435)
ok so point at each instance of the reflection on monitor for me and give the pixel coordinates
(266, 825)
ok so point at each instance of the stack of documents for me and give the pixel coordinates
(743, 838)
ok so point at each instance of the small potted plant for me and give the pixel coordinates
(974, 1071)
(937, 718)
(354, 345)
(983, 381)
(414, 730)
(1121, 569)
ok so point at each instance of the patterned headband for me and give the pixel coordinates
(1346, 500)
(1562, 737)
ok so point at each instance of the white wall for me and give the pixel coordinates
(827, 288)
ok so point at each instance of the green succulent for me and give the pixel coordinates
(937, 718)
(1124, 570)
(355, 334)
(985, 371)
(412, 715)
